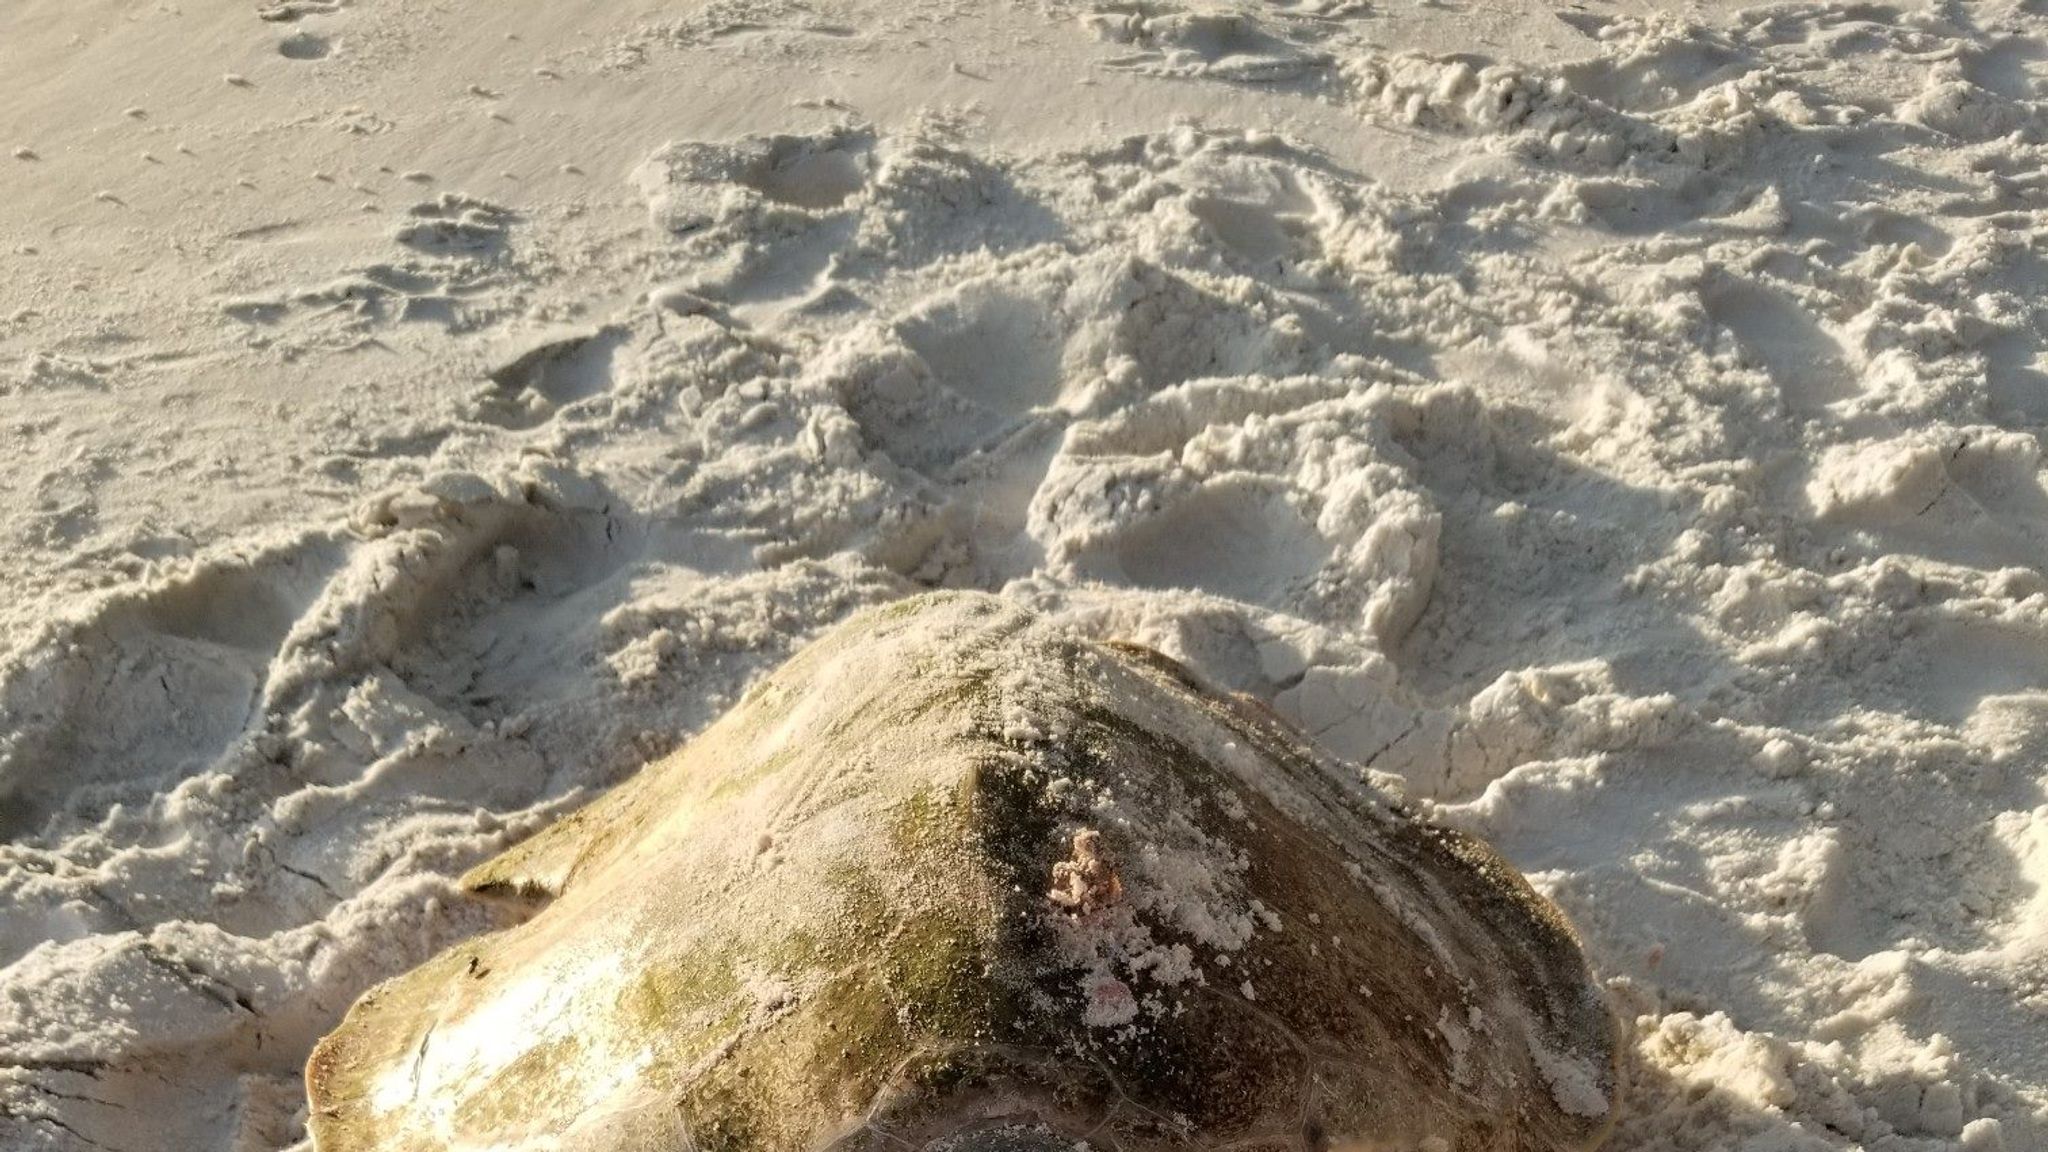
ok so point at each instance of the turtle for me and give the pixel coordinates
(957, 879)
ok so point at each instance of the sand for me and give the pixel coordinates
(1616, 425)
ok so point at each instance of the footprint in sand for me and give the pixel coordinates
(542, 373)
(1781, 335)
(955, 376)
(686, 184)
(1232, 46)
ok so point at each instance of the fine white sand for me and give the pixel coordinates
(1620, 422)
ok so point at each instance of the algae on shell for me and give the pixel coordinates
(954, 878)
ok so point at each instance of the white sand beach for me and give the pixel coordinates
(1618, 425)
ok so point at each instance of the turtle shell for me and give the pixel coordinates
(954, 878)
